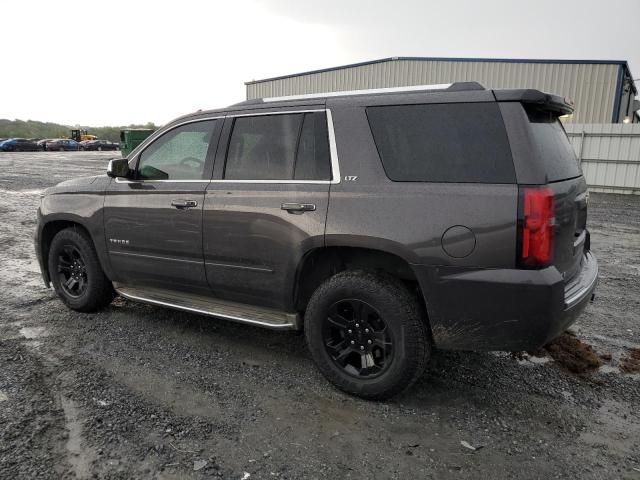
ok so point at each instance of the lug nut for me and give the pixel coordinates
(348, 331)
(361, 347)
(369, 342)
(357, 325)
(366, 330)
(352, 342)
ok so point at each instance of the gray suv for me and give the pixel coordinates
(384, 223)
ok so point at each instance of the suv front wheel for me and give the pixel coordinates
(76, 272)
(367, 335)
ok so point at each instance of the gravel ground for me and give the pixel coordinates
(137, 391)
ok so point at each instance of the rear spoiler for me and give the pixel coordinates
(541, 100)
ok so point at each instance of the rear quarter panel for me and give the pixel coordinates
(408, 219)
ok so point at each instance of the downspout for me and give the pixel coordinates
(618, 97)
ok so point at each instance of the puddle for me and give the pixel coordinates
(539, 360)
(529, 359)
(33, 332)
(20, 192)
(617, 342)
(608, 369)
(80, 457)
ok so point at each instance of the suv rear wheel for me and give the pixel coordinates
(367, 334)
(76, 273)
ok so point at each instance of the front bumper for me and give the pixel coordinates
(503, 309)
(37, 243)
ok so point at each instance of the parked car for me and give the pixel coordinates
(62, 145)
(19, 145)
(383, 223)
(43, 143)
(99, 145)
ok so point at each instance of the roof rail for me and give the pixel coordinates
(454, 87)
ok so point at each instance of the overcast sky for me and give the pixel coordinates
(118, 62)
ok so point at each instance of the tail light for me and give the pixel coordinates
(536, 228)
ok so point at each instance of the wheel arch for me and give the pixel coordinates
(48, 231)
(321, 263)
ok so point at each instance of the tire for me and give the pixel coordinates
(72, 254)
(99, 149)
(382, 301)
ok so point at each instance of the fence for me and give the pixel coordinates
(609, 154)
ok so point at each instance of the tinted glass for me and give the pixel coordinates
(313, 160)
(554, 147)
(179, 154)
(442, 143)
(279, 147)
(263, 147)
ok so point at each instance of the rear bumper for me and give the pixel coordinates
(503, 309)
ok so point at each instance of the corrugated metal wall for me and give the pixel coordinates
(610, 155)
(591, 86)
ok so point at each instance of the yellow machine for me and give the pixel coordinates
(82, 135)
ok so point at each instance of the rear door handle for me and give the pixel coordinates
(298, 207)
(182, 204)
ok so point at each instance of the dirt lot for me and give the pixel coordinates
(138, 391)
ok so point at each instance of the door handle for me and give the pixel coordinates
(298, 207)
(182, 204)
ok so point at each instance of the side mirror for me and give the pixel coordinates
(118, 167)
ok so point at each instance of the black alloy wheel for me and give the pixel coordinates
(367, 333)
(76, 273)
(357, 338)
(72, 271)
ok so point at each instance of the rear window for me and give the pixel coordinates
(554, 147)
(442, 143)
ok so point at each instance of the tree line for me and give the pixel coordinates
(35, 129)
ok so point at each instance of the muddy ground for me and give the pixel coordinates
(137, 391)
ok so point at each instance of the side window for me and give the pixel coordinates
(455, 142)
(279, 147)
(179, 154)
(313, 161)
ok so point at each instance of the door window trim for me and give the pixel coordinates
(152, 140)
(333, 151)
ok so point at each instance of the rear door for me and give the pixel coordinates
(153, 222)
(267, 204)
(564, 177)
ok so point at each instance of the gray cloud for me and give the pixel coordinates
(580, 29)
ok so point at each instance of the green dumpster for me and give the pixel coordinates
(130, 138)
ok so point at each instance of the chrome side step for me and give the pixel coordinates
(239, 312)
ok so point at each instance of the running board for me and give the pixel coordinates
(239, 312)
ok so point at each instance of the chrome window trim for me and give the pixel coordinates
(333, 151)
(370, 91)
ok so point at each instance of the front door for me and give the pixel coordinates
(267, 204)
(153, 221)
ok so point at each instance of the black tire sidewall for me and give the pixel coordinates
(395, 307)
(89, 298)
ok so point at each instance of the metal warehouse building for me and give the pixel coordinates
(603, 90)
